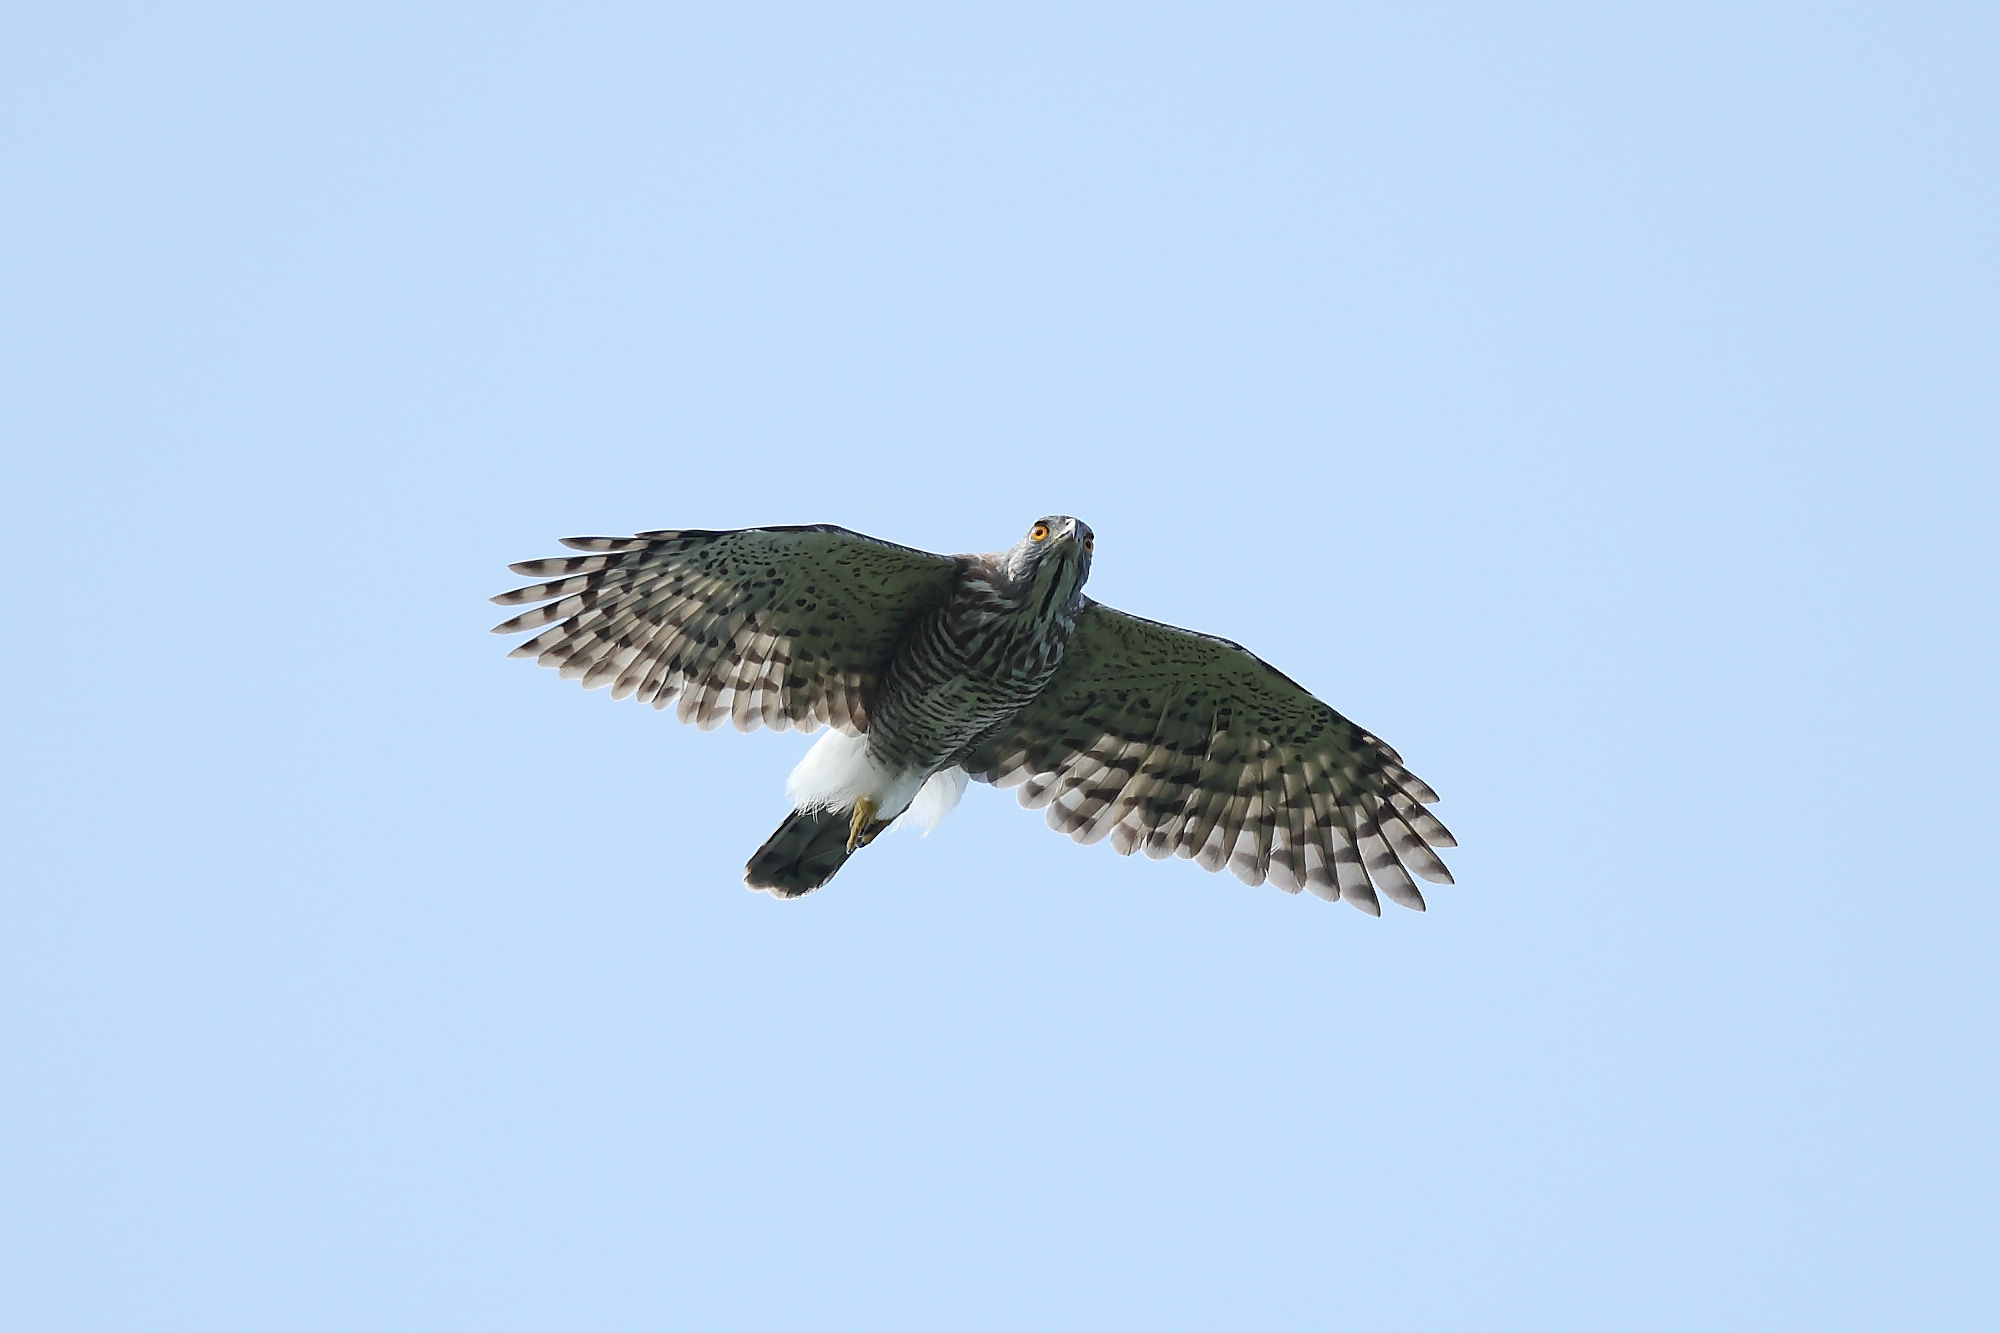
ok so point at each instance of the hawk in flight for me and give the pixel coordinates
(931, 669)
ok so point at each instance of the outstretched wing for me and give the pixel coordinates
(1174, 742)
(774, 627)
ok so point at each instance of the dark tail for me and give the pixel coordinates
(805, 852)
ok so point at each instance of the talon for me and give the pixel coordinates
(864, 812)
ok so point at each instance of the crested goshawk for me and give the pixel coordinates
(934, 668)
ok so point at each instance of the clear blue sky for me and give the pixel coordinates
(1597, 402)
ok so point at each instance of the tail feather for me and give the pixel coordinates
(805, 852)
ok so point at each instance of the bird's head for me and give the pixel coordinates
(1053, 557)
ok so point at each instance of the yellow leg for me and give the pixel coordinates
(864, 811)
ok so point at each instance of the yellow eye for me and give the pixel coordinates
(1039, 532)
(1090, 542)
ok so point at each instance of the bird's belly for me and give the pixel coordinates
(933, 725)
(957, 679)
(930, 722)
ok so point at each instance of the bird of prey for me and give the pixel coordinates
(932, 669)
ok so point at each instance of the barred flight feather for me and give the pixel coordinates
(1234, 766)
(758, 627)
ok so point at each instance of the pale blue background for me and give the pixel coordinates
(1597, 401)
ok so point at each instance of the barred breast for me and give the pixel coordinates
(964, 669)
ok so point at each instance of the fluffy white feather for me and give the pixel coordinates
(934, 800)
(838, 771)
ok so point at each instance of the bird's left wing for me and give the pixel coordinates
(775, 627)
(1175, 742)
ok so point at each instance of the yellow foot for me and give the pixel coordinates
(864, 813)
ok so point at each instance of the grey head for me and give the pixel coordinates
(1051, 561)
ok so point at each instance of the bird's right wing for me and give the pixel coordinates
(775, 627)
(1174, 742)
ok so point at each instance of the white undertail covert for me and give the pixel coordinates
(839, 770)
